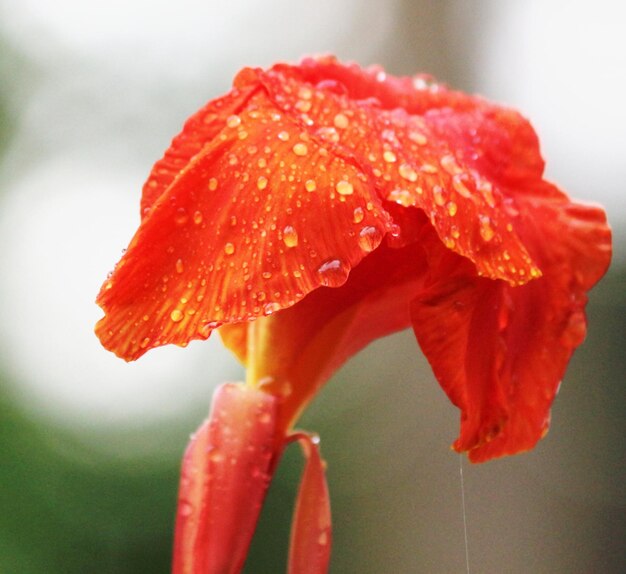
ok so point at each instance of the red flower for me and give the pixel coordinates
(317, 207)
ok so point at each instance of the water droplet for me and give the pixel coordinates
(333, 273)
(370, 238)
(418, 138)
(401, 196)
(290, 236)
(283, 136)
(341, 121)
(407, 172)
(185, 509)
(389, 156)
(305, 93)
(229, 249)
(265, 418)
(486, 190)
(145, 343)
(438, 195)
(448, 162)
(459, 186)
(179, 266)
(303, 106)
(176, 315)
(300, 149)
(261, 183)
(233, 121)
(181, 217)
(197, 217)
(344, 188)
(213, 184)
(486, 231)
(323, 538)
(310, 185)
(271, 308)
(428, 168)
(358, 215)
(452, 208)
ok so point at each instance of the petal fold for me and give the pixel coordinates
(498, 351)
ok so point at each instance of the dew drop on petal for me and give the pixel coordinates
(358, 215)
(389, 156)
(290, 236)
(310, 185)
(261, 183)
(341, 121)
(229, 249)
(486, 231)
(233, 121)
(452, 208)
(401, 196)
(185, 509)
(370, 238)
(344, 188)
(213, 184)
(300, 149)
(197, 217)
(438, 195)
(179, 266)
(460, 187)
(486, 190)
(181, 217)
(283, 136)
(271, 308)
(407, 172)
(145, 343)
(176, 315)
(333, 273)
(418, 138)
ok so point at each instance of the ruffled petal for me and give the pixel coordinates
(225, 474)
(419, 156)
(500, 352)
(309, 551)
(249, 227)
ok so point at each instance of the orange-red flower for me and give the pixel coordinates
(317, 207)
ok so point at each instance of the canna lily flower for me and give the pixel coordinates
(315, 208)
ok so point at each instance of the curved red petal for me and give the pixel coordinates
(225, 474)
(416, 158)
(247, 228)
(309, 551)
(308, 342)
(199, 130)
(500, 352)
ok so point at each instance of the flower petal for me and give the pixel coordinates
(424, 155)
(500, 352)
(247, 228)
(309, 551)
(225, 475)
(199, 130)
(308, 342)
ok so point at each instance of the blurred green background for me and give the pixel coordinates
(90, 95)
